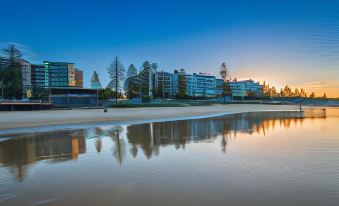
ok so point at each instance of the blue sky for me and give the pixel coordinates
(282, 42)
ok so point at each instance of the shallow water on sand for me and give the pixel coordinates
(270, 158)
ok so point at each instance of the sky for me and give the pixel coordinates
(280, 42)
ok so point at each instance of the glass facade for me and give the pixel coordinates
(200, 85)
(243, 88)
(167, 84)
(57, 73)
(53, 74)
(39, 75)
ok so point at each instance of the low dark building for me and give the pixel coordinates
(73, 97)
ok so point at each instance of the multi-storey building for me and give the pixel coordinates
(242, 89)
(39, 76)
(199, 85)
(56, 74)
(187, 85)
(60, 74)
(167, 84)
(206, 85)
(178, 83)
(219, 86)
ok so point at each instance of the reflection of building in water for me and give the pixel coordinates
(98, 144)
(140, 137)
(60, 146)
(259, 123)
(114, 133)
(150, 137)
(18, 153)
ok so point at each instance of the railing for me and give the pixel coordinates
(197, 102)
(15, 101)
(6, 101)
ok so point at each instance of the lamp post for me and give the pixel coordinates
(2, 90)
(300, 101)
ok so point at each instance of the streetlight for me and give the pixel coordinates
(300, 102)
(2, 90)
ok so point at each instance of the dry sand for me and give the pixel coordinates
(29, 119)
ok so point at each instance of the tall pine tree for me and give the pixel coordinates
(117, 75)
(132, 71)
(10, 73)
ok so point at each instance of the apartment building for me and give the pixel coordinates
(55, 74)
(200, 85)
(246, 88)
(167, 84)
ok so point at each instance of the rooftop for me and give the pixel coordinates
(70, 88)
(57, 63)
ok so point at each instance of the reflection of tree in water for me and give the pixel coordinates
(223, 143)
(151, 137)
(99, 133)
(134, 150)
(119, 150)
(140, 135)
(18, 153)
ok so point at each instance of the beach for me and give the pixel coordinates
(43, 118)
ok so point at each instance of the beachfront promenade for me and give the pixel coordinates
(25, 119)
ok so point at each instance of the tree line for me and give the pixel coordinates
(287, 91)
(141, 84)
(133, 83)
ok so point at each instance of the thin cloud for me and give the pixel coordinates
(321, 84)
(28, 52)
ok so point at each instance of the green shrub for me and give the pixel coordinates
(146, 99)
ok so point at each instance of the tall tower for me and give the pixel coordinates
(95, 81)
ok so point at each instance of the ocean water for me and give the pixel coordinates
(267, 158)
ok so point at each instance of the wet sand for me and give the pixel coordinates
(29, 119)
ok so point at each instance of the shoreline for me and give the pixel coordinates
(48, 120)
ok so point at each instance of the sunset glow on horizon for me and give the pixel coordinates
(293, 43)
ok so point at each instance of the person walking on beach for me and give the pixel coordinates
(105, 109)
